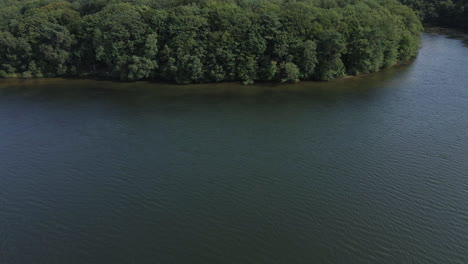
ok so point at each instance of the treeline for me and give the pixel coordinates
(204, 40)
(447, 13)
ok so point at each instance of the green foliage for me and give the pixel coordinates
(289, 72)
(331, 47)
(204, 40)
(247, 70)
(307, 59)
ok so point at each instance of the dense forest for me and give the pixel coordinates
(447, 13)
(204, 40)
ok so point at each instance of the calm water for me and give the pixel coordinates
(371, 169)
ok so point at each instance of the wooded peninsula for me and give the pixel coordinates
(207, 40)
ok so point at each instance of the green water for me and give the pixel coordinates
(371, 169)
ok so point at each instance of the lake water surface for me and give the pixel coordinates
(370, 169)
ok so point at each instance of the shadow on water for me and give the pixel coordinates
(124, 91)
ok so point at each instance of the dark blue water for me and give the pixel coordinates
(372, 169)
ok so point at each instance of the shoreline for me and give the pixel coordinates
(448, 32)
(169, 83)
(453, 33)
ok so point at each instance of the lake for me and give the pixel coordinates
(368, 169)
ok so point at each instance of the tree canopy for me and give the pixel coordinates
(204, 40)
(448, 13)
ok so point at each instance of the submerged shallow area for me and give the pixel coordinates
(369, 169)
